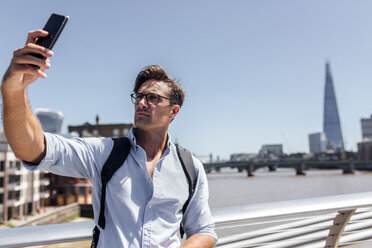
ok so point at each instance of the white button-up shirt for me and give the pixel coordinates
(140, 211)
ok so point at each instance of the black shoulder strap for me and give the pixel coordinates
(118, 155)
(188, 167)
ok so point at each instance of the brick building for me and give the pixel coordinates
(100, 130)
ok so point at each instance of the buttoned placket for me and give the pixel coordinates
(140, 158)
(149, 212)
(147, 223)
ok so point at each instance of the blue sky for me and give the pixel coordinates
(253, 69)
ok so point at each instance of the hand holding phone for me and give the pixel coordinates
(54, 27)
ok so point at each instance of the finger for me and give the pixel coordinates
(33, 35)
(31, 60)
(29, 70)
(41, 74)
(33, 48)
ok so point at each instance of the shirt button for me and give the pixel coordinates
(150, 206)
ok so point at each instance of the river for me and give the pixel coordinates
(229, 188)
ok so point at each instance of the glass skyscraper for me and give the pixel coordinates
(50, 120)
(331, 121)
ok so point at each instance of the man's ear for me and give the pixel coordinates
(174, 111)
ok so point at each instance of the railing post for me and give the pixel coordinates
(337, 229)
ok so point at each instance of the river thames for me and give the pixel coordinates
(229, 188)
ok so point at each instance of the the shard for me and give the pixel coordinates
(331, 121)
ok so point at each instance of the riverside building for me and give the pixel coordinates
(365, 147)
(273, 151)
(22, 192)
(366, 124)
(317, 143)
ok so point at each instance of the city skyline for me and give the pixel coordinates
(253, 70)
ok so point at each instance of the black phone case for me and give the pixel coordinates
(54, 26)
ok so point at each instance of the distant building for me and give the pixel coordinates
(65, 190)
(366, 128)
(237, 157)
(101, 130)
(22, 192)
(365, 147)
(271, 151)
(331, 121)
(317, 143)
(50, 120)
(365, 150)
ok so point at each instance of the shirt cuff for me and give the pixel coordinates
(47, 160)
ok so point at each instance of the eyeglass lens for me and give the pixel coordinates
(150, 97)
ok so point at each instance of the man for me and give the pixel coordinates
(145, 196)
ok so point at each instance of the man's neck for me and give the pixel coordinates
(154, 143)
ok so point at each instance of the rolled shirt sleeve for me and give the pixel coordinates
(197, 218)
(73, 157)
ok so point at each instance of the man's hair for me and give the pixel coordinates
(156, 72)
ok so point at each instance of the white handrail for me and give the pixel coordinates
(270, 210)
(69, 232)
(46, 234)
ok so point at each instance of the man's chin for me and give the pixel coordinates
(142, 124)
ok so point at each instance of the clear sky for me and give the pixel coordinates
(254, 70)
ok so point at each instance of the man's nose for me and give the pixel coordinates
(143, 102)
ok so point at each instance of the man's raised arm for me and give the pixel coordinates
(21, 127)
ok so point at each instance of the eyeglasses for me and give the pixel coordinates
(152, 98)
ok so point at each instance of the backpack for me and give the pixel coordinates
(118, 155)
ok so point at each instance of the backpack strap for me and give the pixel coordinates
(118, 155)
(189, 169)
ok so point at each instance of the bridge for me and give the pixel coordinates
(300, 166)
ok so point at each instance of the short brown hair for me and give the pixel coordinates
(156, 72)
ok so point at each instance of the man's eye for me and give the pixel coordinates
(139, 96)
(152, 97)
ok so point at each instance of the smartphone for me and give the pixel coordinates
(54, 26)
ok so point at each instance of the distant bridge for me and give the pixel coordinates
(300, 166)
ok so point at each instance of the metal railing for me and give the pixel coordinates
(302, 223)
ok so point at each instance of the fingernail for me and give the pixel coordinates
(47, 65)
(49, 52)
